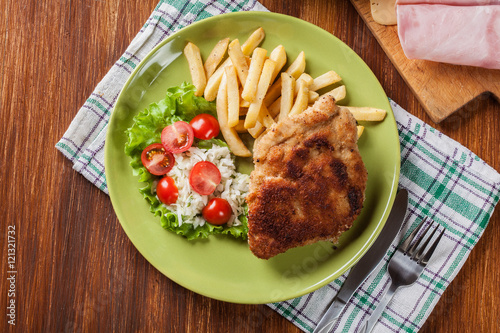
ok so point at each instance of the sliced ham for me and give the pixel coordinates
(442, 31)
(450, 2)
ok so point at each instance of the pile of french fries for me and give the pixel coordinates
(253, 92)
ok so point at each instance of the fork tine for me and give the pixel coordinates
(413, 249)
(406, 244)
(429, 253)
(418, 255)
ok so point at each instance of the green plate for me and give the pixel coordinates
(222, 267)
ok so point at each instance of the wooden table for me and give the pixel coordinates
(76, 269)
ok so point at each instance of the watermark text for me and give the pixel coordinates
(11, 274)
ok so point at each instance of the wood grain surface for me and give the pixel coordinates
(76, 269)
(442, 89)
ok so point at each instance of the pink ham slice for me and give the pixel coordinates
(449, 2)
(443, 31)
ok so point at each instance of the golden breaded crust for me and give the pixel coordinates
(308, 183)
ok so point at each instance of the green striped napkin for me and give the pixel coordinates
(445, 181)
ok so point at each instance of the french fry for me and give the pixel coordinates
(239, 60)
(247, 48)
(253, 41)
(273, 93)
(274, 109)
(302, 99)
(306, 78)
(298, 66)
(265, 117)
(360, 130)
(262, 87)
(362, 113)
(232, 139)
(278, 55)
(295, 69)
(240, 127)
(244, 104)
(221, 101)
(215, 57)
(193, 56)
(338, 93)
(233, 97)
(214, 81)
(256, 130)
(325, 80)
(287, 95)
(254, 73)
(313, 96)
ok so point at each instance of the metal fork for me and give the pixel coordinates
(406, 265)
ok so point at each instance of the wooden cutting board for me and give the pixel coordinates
(442, 89)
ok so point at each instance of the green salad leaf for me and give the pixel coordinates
(180, 103)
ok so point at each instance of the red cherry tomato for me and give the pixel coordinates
(204, 177)
(167, 191)
(205, 126)
(177, 137)
(157, 159)
(217, 211)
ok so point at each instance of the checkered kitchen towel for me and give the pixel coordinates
(445, 181)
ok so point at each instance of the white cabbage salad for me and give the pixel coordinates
(233, 186)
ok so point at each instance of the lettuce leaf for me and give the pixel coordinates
(180, 103)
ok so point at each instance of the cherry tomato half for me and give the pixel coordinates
(204, 177)
(167, 191)
(157, 159)
(177, 137)
(217, 211)
(205, 126)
